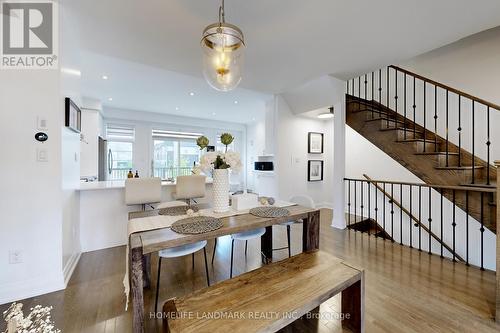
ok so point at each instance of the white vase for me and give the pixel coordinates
(221, 190)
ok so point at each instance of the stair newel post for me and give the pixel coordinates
(411, 213)
(414, 110)
(376, 207)
(441, 213)
(392, 212)
(401, 214)
(497, 316)
(459, 129)
(349, 202)
(447, 136)
(435, 118)
(473, 137)
(488, 143)
(482, 231)
(430, 219)
(404, 100)
(425, 114)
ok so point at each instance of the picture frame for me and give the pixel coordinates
(73, 115)
(315, 171)
(315, 143)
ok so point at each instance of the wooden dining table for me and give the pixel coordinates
(143, 244)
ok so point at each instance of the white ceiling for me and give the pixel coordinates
(139, 87)
(288, 42)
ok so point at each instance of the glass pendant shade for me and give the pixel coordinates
(223, 55)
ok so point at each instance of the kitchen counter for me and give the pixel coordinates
(117, 184)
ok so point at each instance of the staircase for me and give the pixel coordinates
(414, 128)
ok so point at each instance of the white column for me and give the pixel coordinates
(339, 156)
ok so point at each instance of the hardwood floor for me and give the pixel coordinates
(406, 290)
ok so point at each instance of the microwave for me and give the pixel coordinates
(264, 166)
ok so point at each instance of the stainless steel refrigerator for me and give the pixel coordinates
(105, 160)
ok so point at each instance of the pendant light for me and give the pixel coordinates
(223, 46)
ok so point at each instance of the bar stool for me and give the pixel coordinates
(180, 251)
(146, 191)
(301, 200)
(188, 188)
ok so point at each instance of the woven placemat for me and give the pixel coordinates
(269, 212)
(176, 211)
(196, 225)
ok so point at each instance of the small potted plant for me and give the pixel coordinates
(219, 164)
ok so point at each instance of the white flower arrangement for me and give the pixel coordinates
(38, 320)
(217, 160)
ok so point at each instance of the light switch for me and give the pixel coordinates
(41, 123)
(42, 155)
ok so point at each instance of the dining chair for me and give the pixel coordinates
(146, 191)
(180, 251)
(142, 191)
(302, 200)
(190, 187)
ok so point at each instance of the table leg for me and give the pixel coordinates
(136, 288)
(146, 270)
(266, 245)
(310, 234)
(353, 306)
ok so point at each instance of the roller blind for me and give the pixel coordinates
(116, 132)
(157, 133)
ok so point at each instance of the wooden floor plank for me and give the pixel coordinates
(406, 290)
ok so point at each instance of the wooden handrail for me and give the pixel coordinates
(444, 86)
(412, 217)
(444, 187)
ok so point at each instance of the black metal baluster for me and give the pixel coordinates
(435, 119)
(420, 217)
(353, 90)
(383, 200)
(482, 231)
(467, 228)
(396, 96)
(441, 223)
(372, 95)
(347, 82)
(376, 207)
(473, 152)
(414, 110)
(387, 80)
(362, 217)
(425, 114)
(411, 214)
(459, 129)
(366, 81)
(404, 98)
(380, 91)
(373, 98)
(430, 218)
(488, 143)
(355, 202)
(447, 149)
(454, 224)
(392, 212)
(369, 201)
(401, 214)
(349, 201)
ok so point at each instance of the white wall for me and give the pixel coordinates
(291, 156)
(30, 195)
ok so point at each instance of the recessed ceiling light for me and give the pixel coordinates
(253, 119)
(176, 108)
(104, 77)
(235, 102)
(191, 93)
(213, 113)
(326, 115)
(110, 99)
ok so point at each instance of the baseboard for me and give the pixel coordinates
(20, 290)
(70, 267)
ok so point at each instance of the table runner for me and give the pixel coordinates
(165, 221)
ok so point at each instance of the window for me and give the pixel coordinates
(120, 150)
(174, 153)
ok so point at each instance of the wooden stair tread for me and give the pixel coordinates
(459, 167)
(419, 140)
(437, 153)
(294, 285)
(409, 130)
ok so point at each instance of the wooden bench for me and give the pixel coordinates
(271, 297)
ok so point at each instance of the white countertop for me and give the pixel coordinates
(116, 184)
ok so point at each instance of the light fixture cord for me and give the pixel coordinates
(222, 18)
